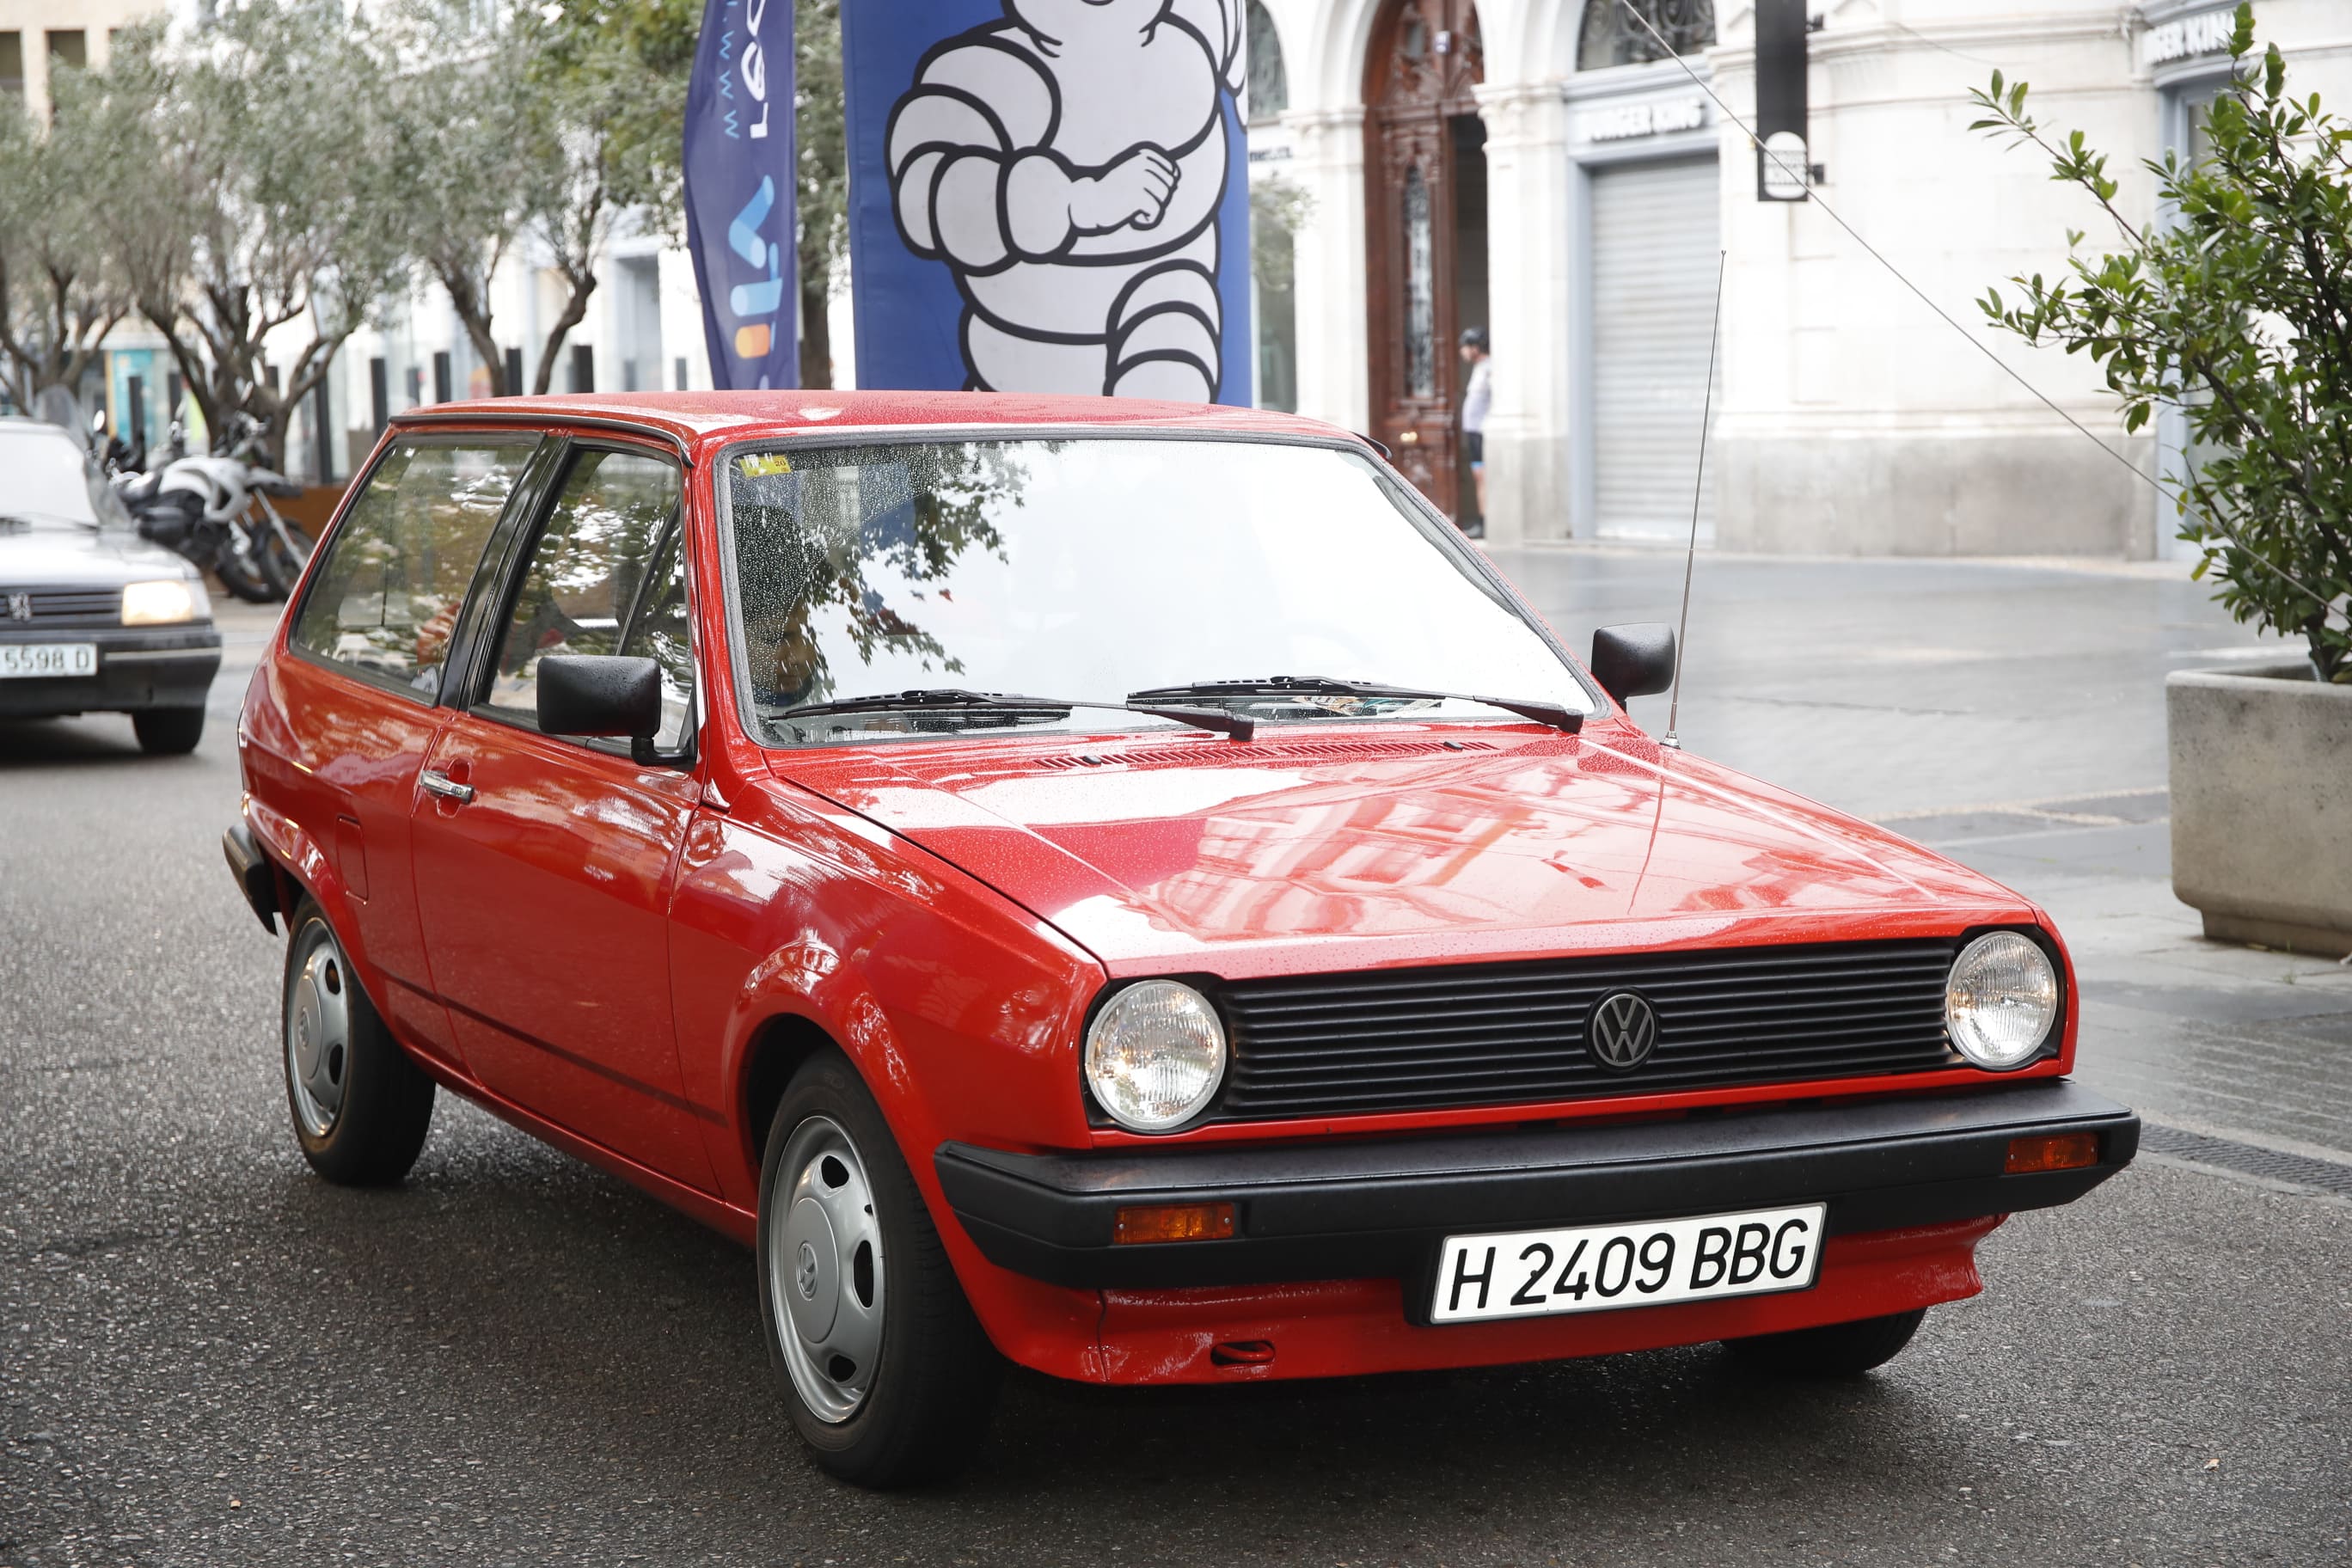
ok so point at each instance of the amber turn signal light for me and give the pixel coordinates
(2051, 1151)
(1174, 1222)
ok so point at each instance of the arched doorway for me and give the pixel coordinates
(1425, 211)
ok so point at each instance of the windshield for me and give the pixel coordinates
(51, 479)
(1092, 569)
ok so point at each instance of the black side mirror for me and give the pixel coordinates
(599, 694)
(1634, 660)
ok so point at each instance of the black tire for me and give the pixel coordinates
(281, 562)
(168, 731)
(382, 1100)
(924, 1409)
(243, 580)
(1834, 1350)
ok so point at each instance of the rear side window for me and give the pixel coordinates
(607, 575)
(385, 600)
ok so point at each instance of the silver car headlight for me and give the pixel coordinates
(1155, 1055)
(2001, 999)
(164, 603)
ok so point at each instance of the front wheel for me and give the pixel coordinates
(168, 731)
(241, 574)
(1833, 1350)
(360, 1105)
(889, 1377)
(283, 550)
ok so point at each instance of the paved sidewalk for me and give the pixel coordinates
(2010, 715)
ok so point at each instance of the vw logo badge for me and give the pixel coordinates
(1623, 1030)
(20, 607)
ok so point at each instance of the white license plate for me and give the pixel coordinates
(48, 658)
(1593, 1268)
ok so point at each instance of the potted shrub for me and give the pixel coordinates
(2237, 311)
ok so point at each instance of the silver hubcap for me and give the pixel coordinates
(825, 1270)
(319, 1033)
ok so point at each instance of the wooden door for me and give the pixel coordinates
(1425, 58)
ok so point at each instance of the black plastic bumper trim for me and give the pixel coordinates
(1365, 1210)
(256, 878)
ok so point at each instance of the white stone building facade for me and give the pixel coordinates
(1847, 418)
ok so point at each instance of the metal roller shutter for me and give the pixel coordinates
(1653, 270)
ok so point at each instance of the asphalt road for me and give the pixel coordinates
(208, 1356)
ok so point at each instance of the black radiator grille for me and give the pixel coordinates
(61, 606)
(1418, 1039)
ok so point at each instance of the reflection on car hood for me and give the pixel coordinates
(64, 555)
(1341, 851)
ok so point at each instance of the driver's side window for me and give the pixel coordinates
(607, 575)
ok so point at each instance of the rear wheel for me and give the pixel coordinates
(360, 1105)
(168, 731)
(1834, 1350)
(890, 1376)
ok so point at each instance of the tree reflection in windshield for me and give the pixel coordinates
(852, 546)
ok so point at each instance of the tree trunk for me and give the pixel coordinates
(817, 332)
(472, 306)
(575, 311)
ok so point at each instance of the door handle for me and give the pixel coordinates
(445, 786)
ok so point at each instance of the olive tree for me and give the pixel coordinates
(61, 293)
(256, 154)
(2237, 312)
(467, 132)
(607, 79)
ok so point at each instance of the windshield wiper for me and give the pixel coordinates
(1553, 714)
(1238, 726)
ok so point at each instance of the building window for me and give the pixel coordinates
(12, 63)
(1611, 37)
(1420, 290)
(1269, 85)
(69, 47)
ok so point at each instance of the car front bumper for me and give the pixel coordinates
(1379, 1210)
(168, 666)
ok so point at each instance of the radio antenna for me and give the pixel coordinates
(1698, 489)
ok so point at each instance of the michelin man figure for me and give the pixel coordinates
(1067, 164)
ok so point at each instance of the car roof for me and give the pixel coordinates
(695, 418)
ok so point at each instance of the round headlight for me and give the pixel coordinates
(2001, 1001)
(1155, 1055)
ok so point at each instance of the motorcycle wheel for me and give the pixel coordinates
(244, 580)
(284, 551)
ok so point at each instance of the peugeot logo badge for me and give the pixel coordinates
(1623, 1030)
(20, 607)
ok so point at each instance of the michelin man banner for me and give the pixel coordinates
(1049, 195)
(739, 193)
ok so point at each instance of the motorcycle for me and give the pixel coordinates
(215, 510)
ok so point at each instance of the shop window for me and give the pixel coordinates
(1611, 37)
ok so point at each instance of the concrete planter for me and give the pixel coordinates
(2261, 804)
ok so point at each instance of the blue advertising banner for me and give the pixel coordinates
(739, 193)
(1049, 195)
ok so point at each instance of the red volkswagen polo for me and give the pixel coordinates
(1119, 887)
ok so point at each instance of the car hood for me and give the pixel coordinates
(62, 555)
(1237, 859)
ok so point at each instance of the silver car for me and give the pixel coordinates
(93, 618)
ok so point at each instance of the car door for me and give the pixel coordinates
(544, 863)
(353, 712)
